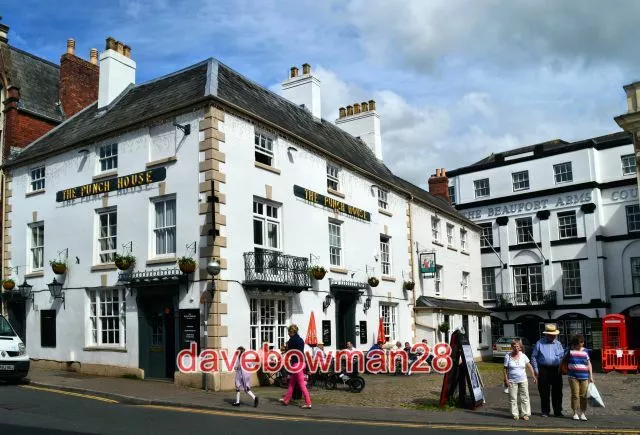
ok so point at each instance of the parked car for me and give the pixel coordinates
(503, 346)
(14, 361)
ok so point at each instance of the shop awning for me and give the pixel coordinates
(451, 305)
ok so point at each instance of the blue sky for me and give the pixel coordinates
(454, 79)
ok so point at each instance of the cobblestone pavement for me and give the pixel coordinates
(620, 392)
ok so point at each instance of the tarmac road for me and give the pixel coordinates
(31, 410)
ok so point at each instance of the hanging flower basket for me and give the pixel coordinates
(8, 284)
(409, 285)
(373, 281)
(187, 265)
(444, 327)
(58, 267)
(317, 272)
(124, 262)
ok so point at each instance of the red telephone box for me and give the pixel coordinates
(615, 355)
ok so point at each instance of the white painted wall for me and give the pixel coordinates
(606, 270)
(72, 226)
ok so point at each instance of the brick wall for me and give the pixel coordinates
(22, 128)
(78, 83)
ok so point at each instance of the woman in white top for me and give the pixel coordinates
(515, 378)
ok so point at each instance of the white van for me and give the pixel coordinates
(14, 361)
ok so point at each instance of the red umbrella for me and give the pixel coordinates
(312, 335)
(381, 339)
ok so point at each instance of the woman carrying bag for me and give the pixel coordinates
(580, 375)
(515, 379)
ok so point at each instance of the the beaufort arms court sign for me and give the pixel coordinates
(339, 206)
(111, 184)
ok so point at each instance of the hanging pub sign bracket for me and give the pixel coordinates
(428, 263)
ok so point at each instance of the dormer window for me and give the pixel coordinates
(108, 157)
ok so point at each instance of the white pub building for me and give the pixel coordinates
(560, 234)
(206, 164)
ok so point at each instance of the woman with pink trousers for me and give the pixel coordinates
(296, 343)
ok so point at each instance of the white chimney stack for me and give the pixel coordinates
(361, 120)
(117, 71)
(303, 90)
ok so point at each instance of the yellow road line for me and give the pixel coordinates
(69, 393)
(387, 423)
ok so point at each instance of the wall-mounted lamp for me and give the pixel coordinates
(83, 151)
(326, 303)
(367, 304)
(25, 290)
(55, 288)
(292, 150)
(186, 129)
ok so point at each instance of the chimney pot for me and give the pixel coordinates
(443, 172)
(120, 47)
(437, 172)
(372, 105)
(111, 43)
(349, 110)
(356, 108)
(343, 112)
(93, 56)
(306, 68)
(365, 106)
(294, 72)
(127, 51)
(71, 46)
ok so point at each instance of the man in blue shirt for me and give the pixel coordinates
(545, 359)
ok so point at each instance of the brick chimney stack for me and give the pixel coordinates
(78, 81)
(439, 184)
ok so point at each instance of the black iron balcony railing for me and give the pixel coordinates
(273, 269)
(543, 298)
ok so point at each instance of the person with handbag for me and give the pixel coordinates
(580, 373)
(515, 379)
(546, 358)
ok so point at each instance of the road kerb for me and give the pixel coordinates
(310, 414)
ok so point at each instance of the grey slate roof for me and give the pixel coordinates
(211, 78)
(38, 80)
(543, 149)
(451, 305)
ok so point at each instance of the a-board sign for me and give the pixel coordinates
(473, 378)
(326, 332)
(463, 375)
(363, 331)
(189, 328)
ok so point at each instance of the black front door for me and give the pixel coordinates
(157, 321)
(17, 317)
(345, 319)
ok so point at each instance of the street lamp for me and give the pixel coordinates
(25, 290)
(213, 269)
(55, 288)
